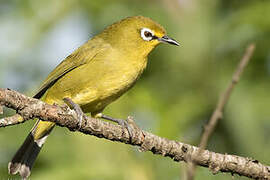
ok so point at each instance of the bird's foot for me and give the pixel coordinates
(77, 109)
(128, 124)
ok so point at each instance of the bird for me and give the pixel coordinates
(92, 77)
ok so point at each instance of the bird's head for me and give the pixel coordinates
(137, 33)
(153, 34)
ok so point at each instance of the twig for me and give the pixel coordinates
(218, 113)
(1, 110)
(12, 120)
(63, 116)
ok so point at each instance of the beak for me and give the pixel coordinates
(167, 39)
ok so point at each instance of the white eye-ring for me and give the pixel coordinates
(147, 34)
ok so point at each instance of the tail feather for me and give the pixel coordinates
(25, 157)
(21, 154)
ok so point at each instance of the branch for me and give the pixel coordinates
(218, 113)
(1, 110)
(30, 108)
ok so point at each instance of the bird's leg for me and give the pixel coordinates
(121, 122)
(77, 109)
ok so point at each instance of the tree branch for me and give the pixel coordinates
(30, 108)
(218, 113)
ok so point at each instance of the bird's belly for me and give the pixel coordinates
(109, 89)
(95, 85)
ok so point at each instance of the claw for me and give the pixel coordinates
(124, 123)
(77, 109)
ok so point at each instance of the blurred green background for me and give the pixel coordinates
(174, 98)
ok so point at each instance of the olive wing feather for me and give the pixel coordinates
(79, 57)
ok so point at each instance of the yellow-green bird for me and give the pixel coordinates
(93, 76)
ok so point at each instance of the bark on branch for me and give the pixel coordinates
(30, 108)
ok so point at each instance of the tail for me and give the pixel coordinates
(25, 157)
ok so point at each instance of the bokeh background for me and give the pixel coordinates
(174, 98)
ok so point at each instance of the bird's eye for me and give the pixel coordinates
(147, 34)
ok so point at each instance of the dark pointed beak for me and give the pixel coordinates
(167, 39)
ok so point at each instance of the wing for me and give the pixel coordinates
(81, 56)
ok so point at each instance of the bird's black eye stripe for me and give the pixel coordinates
(154, 37)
